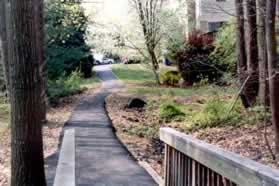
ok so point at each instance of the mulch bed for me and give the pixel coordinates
(246, 140)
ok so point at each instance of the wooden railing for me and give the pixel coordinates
(191, 162)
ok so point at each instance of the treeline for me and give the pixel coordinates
(65, 46)
(257, 56)
(66, 51)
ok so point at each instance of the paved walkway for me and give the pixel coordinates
(101, 160)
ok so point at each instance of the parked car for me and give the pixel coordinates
(107, 61)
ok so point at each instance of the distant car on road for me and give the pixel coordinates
(107, 61)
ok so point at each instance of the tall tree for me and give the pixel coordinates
(40, 46)
(263, 72)
(272, 68)
(149, 12)
(241, 49)
(24, 55)
(252, 86)
(3, 42)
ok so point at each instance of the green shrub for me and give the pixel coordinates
(64, 86)
(65, 47)
(134, 60)
(169, 77)
(203, 82)
(215, 113)
(193, 60)
(170, 111)
(224, 54)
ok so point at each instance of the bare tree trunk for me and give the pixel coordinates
(3, 42)
(252, 87)
(147, 20)
(272, 65)
(27, 160)
(40, 34)
(155, 65)
(241, 49)
(263, 72)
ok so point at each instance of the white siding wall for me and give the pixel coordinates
(213, 11)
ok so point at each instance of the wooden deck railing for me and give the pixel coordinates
(191, 162)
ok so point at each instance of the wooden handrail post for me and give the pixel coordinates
(191, 162)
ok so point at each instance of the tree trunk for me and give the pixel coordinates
(40, 34)
(252, 87)
(155, 66)
(148, 27)
(241, 49)
(3, 42)
(263, 72)
(272, 65)
(27, 160)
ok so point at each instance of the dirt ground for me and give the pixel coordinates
(247, 140)
(51, 131)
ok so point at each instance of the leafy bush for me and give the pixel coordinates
(204, 81)
(193, 60)
(169, 77)
(65, 47)
(170, 111)
(224, 53)
(64, 86)
(215, 113)
(112, 55)
(134, 60)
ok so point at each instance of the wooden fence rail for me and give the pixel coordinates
(191, 162)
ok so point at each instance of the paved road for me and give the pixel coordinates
(101, 160)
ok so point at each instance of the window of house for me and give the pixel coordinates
(214, 26)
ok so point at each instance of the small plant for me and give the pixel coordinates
(215, 113)
(64, 86)
(170, 78)
(170, 111)
(203, 81)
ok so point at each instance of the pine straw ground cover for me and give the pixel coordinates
(138, 128)
(51, 131)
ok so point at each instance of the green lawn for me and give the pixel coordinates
(204, 90)
(90, 82)
(145, 83)
(133, 73)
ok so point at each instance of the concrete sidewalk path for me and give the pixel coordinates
(101, 160)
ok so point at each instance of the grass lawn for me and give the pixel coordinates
(90, 82)
(170, 91)
(133, 73)
(141, 81)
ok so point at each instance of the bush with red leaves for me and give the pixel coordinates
(193, 60)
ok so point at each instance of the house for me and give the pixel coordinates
(208, 15)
